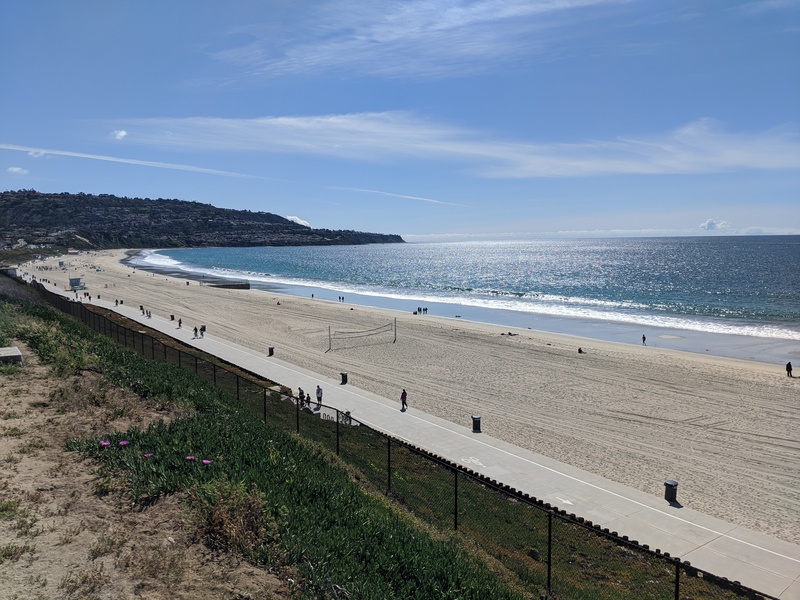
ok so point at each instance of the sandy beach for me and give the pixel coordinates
(727, 430)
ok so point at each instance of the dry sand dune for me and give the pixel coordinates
(727, 430)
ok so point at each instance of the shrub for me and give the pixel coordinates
(230, 517)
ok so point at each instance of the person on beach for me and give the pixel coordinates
(644, 340)
(319, 396)
(195, 332)
(179, 323)
(788, 369)
(403, 398)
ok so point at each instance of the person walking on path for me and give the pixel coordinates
(195, 332)
(319, 396)
(403, 398)
(644, 340)
(789, 369)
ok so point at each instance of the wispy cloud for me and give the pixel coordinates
(17, 171)
(120, 134)
(769, 5)
(38, 152)
(702, 146)
(417, 38)
(392, 195)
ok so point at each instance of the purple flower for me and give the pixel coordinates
(190, 457)
(124, 442)
(148, 455)
(207, 462)
(105, 443)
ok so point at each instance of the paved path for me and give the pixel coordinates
(756, 560)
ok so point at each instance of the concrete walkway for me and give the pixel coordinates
(758, 561)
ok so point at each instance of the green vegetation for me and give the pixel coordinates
(8, 510)
(253, 489)
(14, 552)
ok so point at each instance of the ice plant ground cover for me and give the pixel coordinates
(254, 489)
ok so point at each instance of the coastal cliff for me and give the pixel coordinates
(86, 221)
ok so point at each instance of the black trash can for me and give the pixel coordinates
(344, 377)
(171, 317)
(476, 423)
(270, 351)
(671, 490)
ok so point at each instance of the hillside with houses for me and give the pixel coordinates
(85, 221)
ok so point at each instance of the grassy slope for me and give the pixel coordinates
(263, 493)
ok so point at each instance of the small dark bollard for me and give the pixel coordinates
(171, 317)
(476, 423)
(344, 377)
(671, 490)
(271, 351)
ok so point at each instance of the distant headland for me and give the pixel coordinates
(93, 222)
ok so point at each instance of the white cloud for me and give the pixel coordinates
(120, 134)
(701, 146)
(17, 171)
(35, 154)
(417, 38)
(712, 225)
(127, 161)
(299, 220)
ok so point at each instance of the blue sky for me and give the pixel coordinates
(431, 119)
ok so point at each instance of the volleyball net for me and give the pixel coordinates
(388, 331)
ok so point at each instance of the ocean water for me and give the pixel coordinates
(675, 288)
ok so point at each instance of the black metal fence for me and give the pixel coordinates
(551, 554)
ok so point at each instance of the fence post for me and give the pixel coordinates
(549, 550)
(297, 416)
(195, 364)
(215, 383)
(677, 579)
(180, 354)
(388, 464)
(338, 416)
(455, 493)
(152, 347)
(237, 388)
